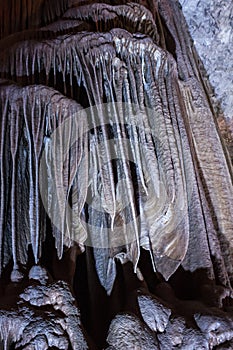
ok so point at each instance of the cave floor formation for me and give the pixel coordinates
(116, 196)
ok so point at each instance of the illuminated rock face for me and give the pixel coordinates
(115, 179)
(210, 25)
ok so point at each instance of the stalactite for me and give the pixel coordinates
(157, 78)
(17, 15)
(133, 17)
(30, 114)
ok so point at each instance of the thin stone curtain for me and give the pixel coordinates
(109, 141)
(153, 69)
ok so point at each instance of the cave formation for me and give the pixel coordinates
(116, 198)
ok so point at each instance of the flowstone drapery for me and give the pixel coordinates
(114, 180)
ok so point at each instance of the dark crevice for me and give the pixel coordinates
(98, 309)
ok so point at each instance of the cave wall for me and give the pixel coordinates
(210, 24)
